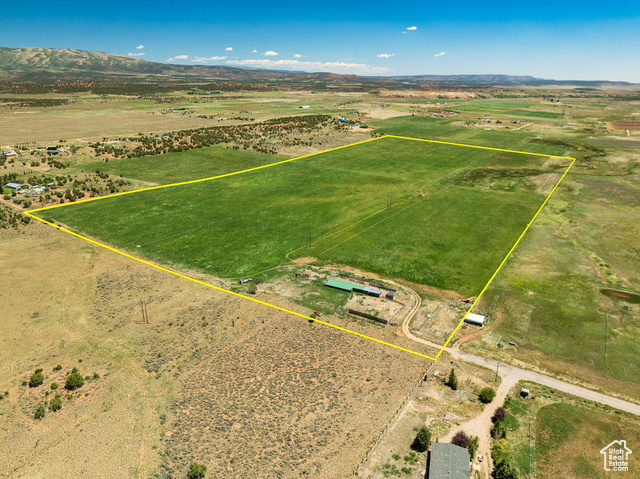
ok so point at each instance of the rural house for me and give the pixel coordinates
(448, 461)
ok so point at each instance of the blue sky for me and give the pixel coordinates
(546, 39)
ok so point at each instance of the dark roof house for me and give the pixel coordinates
(448, 461)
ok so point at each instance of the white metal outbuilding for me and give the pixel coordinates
(476, 319)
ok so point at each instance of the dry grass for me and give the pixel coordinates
(52, 124)
(295, 397)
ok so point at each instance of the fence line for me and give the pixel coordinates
(423, 378)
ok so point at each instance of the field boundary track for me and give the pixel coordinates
(31, 214)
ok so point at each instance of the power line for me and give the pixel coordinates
(606, 337)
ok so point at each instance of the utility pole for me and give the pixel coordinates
(606, 337)
(529, 447)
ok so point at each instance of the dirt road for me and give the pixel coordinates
(524, 375)
(507, 371)
(480, 425)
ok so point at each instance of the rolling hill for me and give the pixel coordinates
(50, 64)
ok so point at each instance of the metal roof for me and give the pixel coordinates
(369, 290)
(448, 461)
(336, 283)
(474, 319)
(343, 285)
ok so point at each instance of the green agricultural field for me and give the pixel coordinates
(450, 130)
(183, 166)
(404, 209)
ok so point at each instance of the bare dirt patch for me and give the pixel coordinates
(379, 307)
(436, 320)
(383, 113)
(625, 125)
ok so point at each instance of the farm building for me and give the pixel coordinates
(13, 186)
(448, 461)
(475, 319)
(305, 106)
(10, 153)
(358, 288)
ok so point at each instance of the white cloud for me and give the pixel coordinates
(207, 59)
(254, 51)
(440, 54)
(297, 55)
(136, 54)
(412, 28)
(335, 67)
(403, 32)
(139, 47)
(229, 49)
(178, 57)
(270, 53)
(385, 55)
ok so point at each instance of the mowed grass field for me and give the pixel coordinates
(438, 230)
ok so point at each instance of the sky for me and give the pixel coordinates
(561, 39)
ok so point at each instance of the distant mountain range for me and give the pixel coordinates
(50, 64)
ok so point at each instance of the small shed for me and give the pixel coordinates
(475, 319)
(524, 393)
(391, 295)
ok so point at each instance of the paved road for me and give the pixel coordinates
(523, 374)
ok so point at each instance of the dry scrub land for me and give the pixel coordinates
(210, 378)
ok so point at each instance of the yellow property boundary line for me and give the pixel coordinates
(30, 213)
